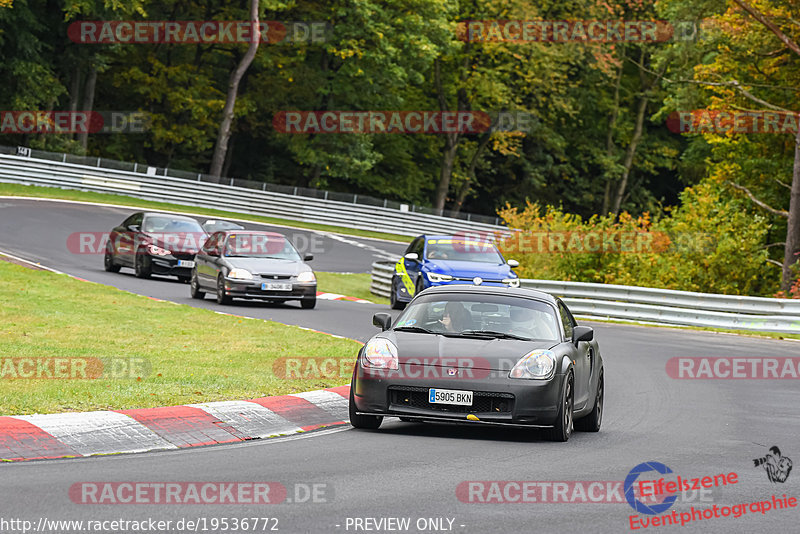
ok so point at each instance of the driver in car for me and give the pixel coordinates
(456, 317)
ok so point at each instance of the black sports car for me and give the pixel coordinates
(155, 243)
(481, 355)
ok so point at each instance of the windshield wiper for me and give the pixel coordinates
(414, 329)
(494, 334)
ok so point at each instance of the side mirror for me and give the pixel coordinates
(308, 257)
(214, 252)
(413, 256)
(383, 320)
(133, 227)
(513, 264)
(582, 333)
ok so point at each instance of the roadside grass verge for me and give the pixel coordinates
(353, 285)
(124, 200)
(193, 355)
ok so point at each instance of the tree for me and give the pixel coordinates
(224, 135)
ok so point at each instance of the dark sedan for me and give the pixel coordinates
(481, 355)
(253, 265)
(155, 243)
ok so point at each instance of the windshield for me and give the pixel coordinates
(462, 250)
(165, 224)
(471, 314)
(260, 246)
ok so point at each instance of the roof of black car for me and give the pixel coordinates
(493, 290)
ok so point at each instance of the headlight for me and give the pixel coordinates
(380, 353)
(538, 363)
(436, 278)
(307, 276)
(240, 274)
(512, 282)
(158, 251)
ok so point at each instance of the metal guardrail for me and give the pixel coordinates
(648, 305)
(229, 196)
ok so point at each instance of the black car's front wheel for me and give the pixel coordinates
(562, 430)
(370, 422)
(141, 265)
(591, 423)
(222, 298)
(195, 287)
(308, 304)
(108, 261)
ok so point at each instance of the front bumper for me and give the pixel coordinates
(496, 398)
(168, 265)
(251, 289)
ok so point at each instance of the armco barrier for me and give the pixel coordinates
(662, 306)
(31, 171)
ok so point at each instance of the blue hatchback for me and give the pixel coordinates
(437, 260)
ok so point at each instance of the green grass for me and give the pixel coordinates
(85, 196)
(353, 285)
(193, 355)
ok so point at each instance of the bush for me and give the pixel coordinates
(708, 244)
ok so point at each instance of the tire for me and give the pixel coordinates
(195, 287)
(420, 285)
(308, 304)
(367, 422)
(591, 423)
(394, 303)
(108, 261)
(222, 298)
(141, 265)
(564, 421)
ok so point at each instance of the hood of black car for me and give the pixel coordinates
(183, 242)
(461, 352)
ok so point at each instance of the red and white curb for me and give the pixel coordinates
(36, 437)
(336, 296)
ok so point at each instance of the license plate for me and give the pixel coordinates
(450, 396)
(272, 286)
(185, 263)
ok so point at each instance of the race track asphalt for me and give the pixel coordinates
(411, 470)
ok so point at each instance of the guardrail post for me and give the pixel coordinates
(64, 159)
(98, 162)
(355, 198)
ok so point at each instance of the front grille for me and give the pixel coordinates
(276, 276)
(183, 255)
(482, 401)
